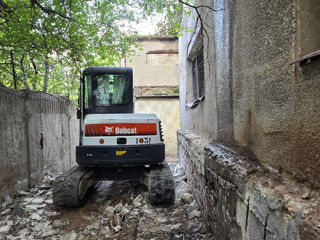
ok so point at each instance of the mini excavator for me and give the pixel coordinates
(115, 143)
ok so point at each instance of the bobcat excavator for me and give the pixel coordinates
(115, 143)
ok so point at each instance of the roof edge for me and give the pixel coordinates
(157, 37)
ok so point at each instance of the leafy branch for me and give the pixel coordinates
(199, 17)
(49, 11)
(44, 44)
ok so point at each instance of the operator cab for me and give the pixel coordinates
(107, 90)
(110, 133)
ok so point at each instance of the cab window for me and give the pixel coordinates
(111, 89)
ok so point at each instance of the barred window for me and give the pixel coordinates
(198, 75)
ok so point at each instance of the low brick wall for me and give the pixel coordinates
(240, 199)
(38, 134)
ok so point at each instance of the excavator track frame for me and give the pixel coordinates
(160, 182)
(70, 189)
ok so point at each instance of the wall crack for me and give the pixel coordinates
(265, 228)
(247, 214)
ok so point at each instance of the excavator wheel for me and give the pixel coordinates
(161, 184)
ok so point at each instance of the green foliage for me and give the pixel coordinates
(44, 43)
(172, 11)
(176, 90)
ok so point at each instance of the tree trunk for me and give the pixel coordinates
(14, 74)
(24, 75)
(46, 74)
(34, 86)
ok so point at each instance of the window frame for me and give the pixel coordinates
(115, 108)
(195, 81)
(198, 80)
(87, 98)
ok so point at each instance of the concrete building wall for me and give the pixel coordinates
(276, 105)
(152, 65)
(254, 97)
(255, 102)
(167, 109)
(38, 135)
(156, 80)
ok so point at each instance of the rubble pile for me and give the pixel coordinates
(115, 210)
(27, 215)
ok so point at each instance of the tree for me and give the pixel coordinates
(45, 43)
(173, 11)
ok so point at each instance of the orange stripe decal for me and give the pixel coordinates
(117, 129)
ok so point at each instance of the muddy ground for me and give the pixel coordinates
(115, 210)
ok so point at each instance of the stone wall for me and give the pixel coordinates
(240, 199)
(38, 134)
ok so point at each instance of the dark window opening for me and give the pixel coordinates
(198, 75)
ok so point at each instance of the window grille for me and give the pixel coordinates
(198, 75)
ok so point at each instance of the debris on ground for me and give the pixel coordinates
(115, 210)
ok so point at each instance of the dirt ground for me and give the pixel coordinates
(115, 210)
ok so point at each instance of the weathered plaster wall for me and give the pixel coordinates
(38, 134)
(276, 105)
(160, 69)
(156, 80)
(167, 109)
(259, 104)
(202, 120)
(254, 97)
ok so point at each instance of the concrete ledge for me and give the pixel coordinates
(156, 91)
(243, 200)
